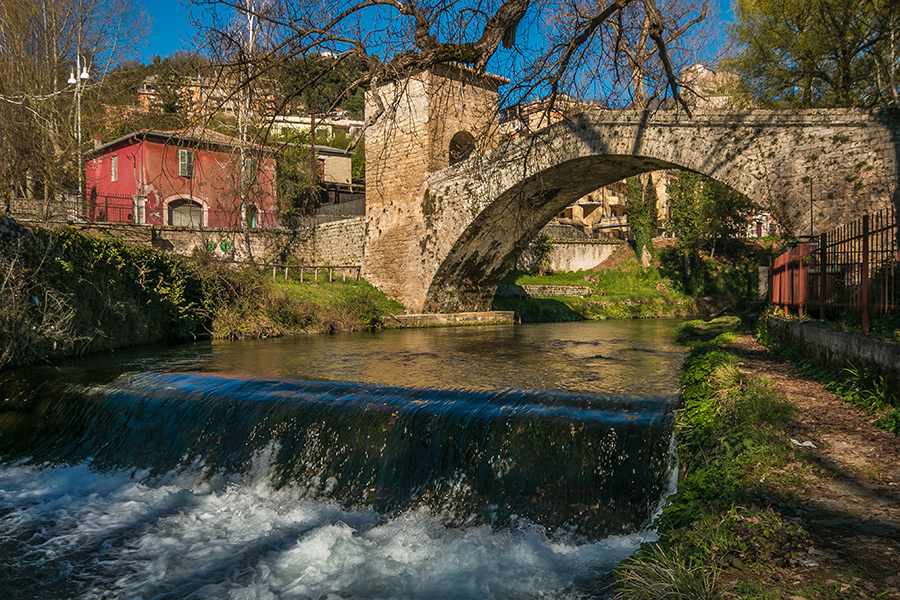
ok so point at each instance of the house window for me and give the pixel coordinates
(185, 163)
(185, 213)
(114, 167)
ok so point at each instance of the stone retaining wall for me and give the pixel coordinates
(341, 242)
(838, 349)
(275, 246)
(495, 317)
(542, 291)
(571, 254)
(334, 243)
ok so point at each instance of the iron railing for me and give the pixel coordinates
(854, 268)
(120, 210)
(106, 209)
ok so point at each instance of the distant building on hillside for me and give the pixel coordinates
(762, 225)
(336, 175)
(203, 95)
(706, 89)
(327, 126)
(603, 214)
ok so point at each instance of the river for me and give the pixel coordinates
(486, 462)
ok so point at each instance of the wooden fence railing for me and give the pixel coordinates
(852, 268)
(342, 271)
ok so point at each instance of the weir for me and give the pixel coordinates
(595, 464)
(217, 470)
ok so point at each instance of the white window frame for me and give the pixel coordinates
(114, 167)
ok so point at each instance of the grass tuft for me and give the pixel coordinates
(658, 574)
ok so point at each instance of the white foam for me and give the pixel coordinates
(181, 536)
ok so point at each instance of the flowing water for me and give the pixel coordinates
(490, 462)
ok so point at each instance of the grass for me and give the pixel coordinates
(630, 281)
(744, 522)
(662, 575)
(624, 293)
(700, 330)
(721, 523)
(348, 305)
(673, 286)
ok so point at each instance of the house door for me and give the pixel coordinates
(186, 213)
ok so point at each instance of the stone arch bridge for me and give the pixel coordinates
(444, 243)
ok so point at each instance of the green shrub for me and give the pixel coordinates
(66, 293)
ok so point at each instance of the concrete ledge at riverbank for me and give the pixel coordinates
(838, 349)
(496, 317)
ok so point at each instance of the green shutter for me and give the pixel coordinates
(185, 163)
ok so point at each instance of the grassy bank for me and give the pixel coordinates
(747, 521)
(622, 289)
(719, 525)
(66, 294)
(626, 292)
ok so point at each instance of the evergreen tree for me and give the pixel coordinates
(322, 83)
(641, 206)
(704, 213)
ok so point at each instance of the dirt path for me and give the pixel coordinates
(844, 488)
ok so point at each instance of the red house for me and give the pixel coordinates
(192, 177)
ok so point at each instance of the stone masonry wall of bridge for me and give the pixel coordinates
(440, 240)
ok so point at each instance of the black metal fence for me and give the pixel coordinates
(107, 209)
(351, 208)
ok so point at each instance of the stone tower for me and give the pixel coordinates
(429, 120)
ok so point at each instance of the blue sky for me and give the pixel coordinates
(170, 30)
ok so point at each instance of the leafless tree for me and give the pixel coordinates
(544, 47)
(40, 42)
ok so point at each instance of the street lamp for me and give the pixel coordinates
(78, 82)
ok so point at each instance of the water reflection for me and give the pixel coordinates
(634, 358)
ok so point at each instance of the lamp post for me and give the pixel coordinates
(79, 81)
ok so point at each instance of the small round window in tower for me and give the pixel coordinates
(461, 146)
